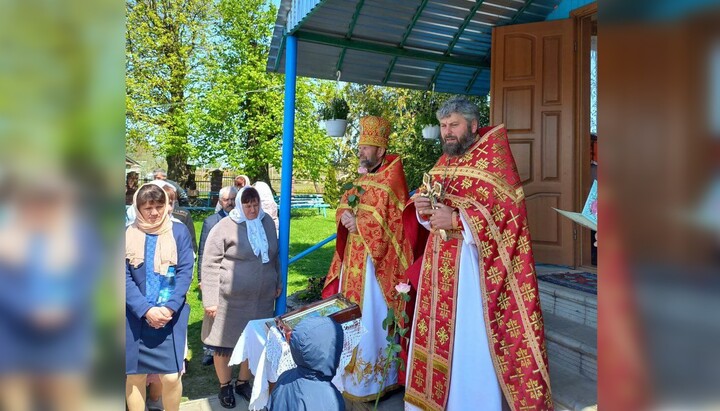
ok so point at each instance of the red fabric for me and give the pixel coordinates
(381, 235)
(484, 185)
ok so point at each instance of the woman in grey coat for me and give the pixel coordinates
(241, 279)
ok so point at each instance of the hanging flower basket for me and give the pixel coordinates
(335, 116)
(431, 132)
(335, 127)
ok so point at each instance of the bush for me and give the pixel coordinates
(332, 188)
(313, 291)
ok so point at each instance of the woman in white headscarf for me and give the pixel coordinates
(241, 280)
(267, 201)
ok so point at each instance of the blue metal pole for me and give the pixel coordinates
(312, 249)
(287, 167)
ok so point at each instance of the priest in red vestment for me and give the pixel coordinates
(478, 340)
(371, 256)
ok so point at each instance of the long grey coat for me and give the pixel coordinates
(237, 281)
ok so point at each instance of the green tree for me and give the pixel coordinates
(240, 116)
(405, 109)
(164, 40)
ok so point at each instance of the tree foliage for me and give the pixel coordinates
(163, 42)
(406, 110)
(240, 116)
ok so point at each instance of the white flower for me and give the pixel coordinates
(403, 288)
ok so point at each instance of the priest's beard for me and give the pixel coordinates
(459, 147)
(370, 162)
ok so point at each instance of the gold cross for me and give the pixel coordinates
(513, 218)
(534, 389)
(435, 193)
(536, 320)
(524, 407)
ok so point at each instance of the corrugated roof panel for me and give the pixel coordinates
(375, 29)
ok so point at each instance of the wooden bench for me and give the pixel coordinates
(299, 201)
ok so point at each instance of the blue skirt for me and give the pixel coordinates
(158, 351)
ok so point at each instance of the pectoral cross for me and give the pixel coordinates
(435, 193)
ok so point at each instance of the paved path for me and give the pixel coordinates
(394, 402)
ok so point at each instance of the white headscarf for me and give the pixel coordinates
(255, 230)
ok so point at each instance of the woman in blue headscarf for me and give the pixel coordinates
(241, 280)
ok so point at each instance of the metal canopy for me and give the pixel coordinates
(399, 43)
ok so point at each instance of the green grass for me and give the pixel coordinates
(306, 229)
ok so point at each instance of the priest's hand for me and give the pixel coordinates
(441, 218)
(349, 221)
(422, 204)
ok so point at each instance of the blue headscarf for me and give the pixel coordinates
(255, 230)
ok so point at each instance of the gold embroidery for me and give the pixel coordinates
(524, 357)
(483, 193)
(525, 407)
(425, 303)
(427, 266)
(498, 319)
(500, 195)
(494, 275)
(483, 164)
(513, 219)
(502, 363)
(536, 321)
(474, 172)
(442, 335)
(534, 389)
(519, 374)
(400, 205)
(528, 293)
(517, 265)
(466, 183)
(503, 301)
(419, 377)
(446, 271)
(388, 232)
(498, 213)
(513, 328)
(523, 245)
(422, 327)
(513, 392)
(508, 238)
(504, 346)
(499, 162)
(367, 372)
(486, 249)
(444, 310)
(439, 389)
(499, 149)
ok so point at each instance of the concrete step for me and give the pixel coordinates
(572, 392)
(571, 345)
(212, 404)
(575, 305)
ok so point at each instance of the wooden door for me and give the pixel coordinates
(532, 92)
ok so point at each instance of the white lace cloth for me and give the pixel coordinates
(268, 355)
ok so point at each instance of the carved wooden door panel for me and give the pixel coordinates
(532, 92)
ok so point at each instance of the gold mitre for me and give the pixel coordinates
(374, 131)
